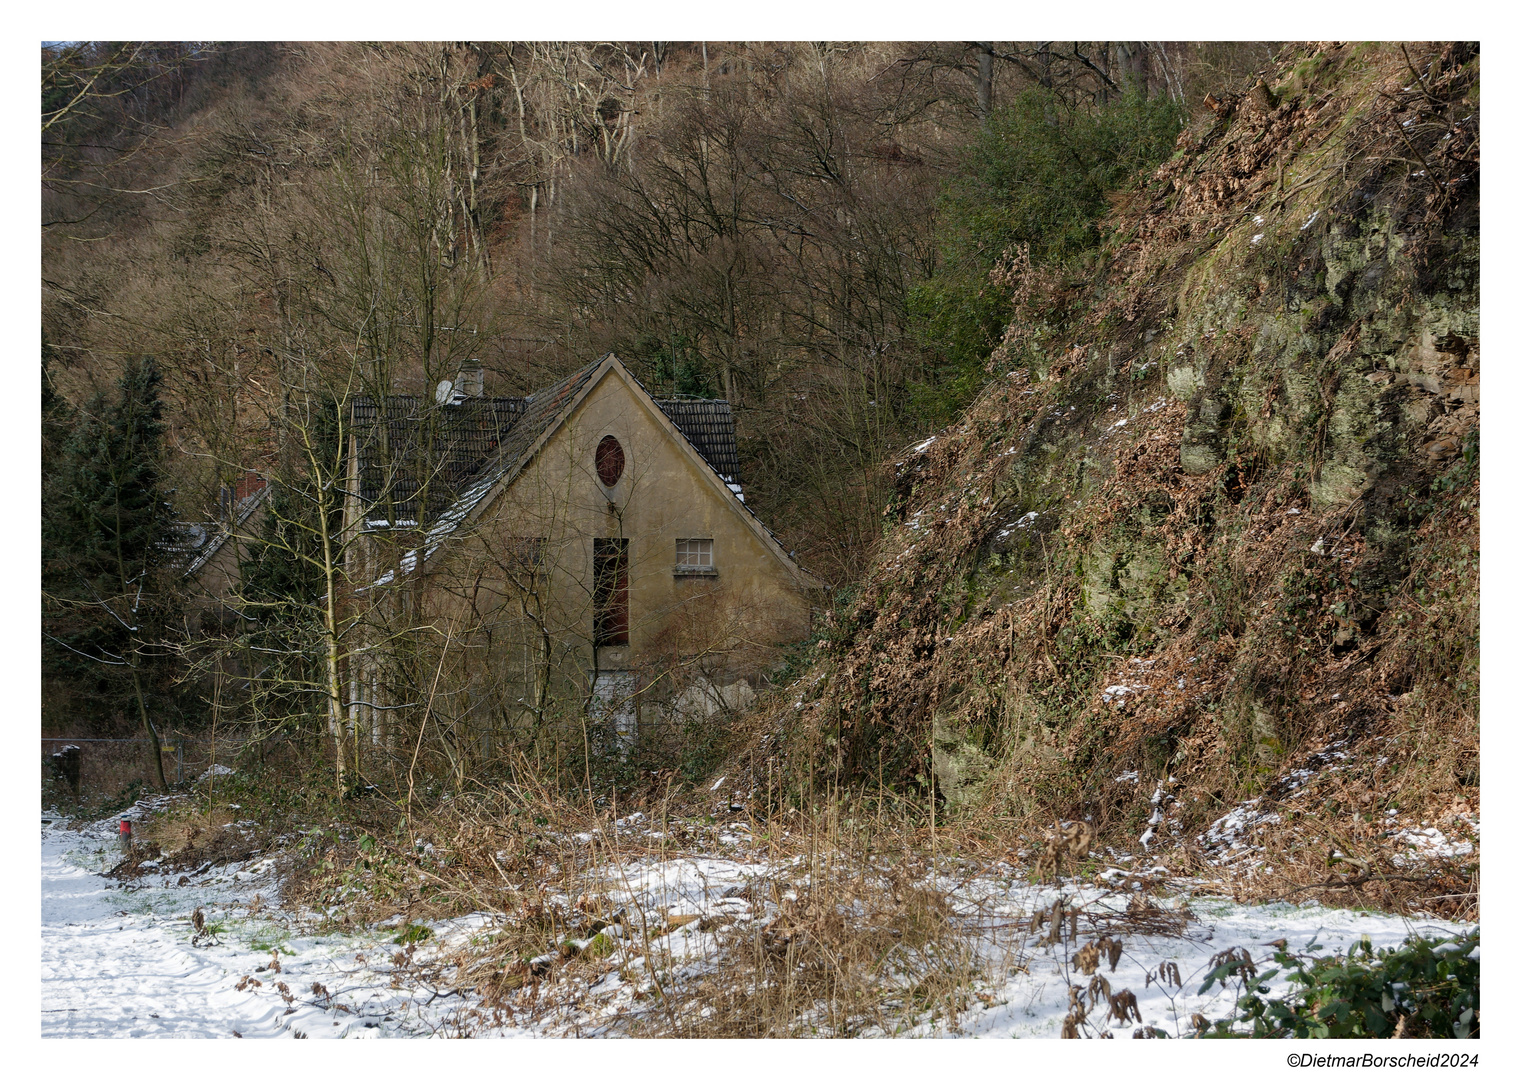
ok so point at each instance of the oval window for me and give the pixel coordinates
(609, 461)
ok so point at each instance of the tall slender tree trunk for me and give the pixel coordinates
(334, 685)
(134, 650)
(984, 80)
(331, 655)
(154, 746)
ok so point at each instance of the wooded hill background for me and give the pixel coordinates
(807, 230)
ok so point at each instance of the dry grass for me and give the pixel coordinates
(1262, 625)
(854, 919)
(185, 828)
(835, 933)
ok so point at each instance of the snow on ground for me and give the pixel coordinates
(1031, 996)
(120, 960)
(1025, 992)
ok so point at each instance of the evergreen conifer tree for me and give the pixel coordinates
(283, 593)
(282, 587)
(106, 541)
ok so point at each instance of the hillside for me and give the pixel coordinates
(1200, 565)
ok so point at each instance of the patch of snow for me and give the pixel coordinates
(1429, 843)
(125, 962)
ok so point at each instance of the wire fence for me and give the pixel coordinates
(92, 768)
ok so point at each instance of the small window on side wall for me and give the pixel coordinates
(695, 556)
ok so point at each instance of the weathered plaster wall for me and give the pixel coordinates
(755, 599)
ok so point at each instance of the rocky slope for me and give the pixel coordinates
(1211, 533)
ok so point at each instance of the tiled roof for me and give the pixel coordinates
(709, 427)
(707, 424)
(535, 414)
(417, 440)
(198, 542)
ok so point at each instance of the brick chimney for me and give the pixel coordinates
(249, 483)
(472, 380)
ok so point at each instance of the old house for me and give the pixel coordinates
(211, 554)
(585, 546)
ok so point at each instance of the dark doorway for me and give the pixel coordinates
(610, 591)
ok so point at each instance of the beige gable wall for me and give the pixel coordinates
(666, 493)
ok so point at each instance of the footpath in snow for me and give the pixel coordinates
(118, 959)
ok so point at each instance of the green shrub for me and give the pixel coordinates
(1432, 984)
(1039, 171)
(1036, 176)
(412, 934)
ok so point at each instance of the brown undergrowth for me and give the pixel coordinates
(1210, 535)
(835, 933)
(856, 918)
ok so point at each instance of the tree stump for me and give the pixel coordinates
(66, 764)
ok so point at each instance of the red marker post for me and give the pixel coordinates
(125, 835)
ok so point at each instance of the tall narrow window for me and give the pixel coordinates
(610, 591)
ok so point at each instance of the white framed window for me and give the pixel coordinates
(694, 556)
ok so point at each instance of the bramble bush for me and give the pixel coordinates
(1425, 988)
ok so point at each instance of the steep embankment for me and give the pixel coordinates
(1212, 532)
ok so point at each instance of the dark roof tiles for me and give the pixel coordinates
(707, 424)
(483, 439)
(416, 442)
(709, 427)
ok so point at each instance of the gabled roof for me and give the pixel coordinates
(471, 434)
(539, 412)
(401, 437)
(709, 426)
(705, 427)
(198, 542)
